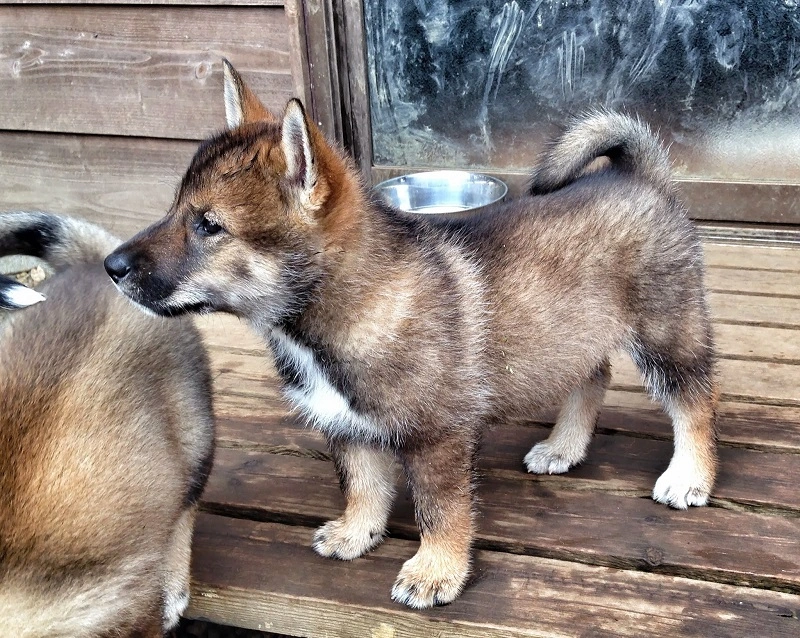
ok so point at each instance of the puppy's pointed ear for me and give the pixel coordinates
(241, 104)
(298, 149)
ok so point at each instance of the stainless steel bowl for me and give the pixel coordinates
(443, 194)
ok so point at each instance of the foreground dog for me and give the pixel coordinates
(399, 338)
(106, 439)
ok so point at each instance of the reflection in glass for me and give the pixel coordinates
(478, 84)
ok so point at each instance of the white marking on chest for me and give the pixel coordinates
(317, 399)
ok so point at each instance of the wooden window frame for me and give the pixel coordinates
(331, 37)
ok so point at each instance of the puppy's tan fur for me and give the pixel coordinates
(399, 338)
(106, 439)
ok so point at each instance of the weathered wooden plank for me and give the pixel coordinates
(739, 309)
(756, 201)
(122, 183)
(732, 340)
(754, 282)
(740, 424)
(267, 578)
(551, 516)
(224, 330)
(758, 257)
(750, 381)
(741, 381)
(282, 435)
(297, 45)
(356, 109)
(760, 235)
(764, 427)
(251, 421)
(127, 71)
(246, 386)
(616, 464)
(321, 53)
(631, 465)
(780, 345)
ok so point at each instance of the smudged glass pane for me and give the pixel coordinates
(471, 83)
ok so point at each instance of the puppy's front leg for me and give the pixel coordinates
(367, 476)
(441, 481)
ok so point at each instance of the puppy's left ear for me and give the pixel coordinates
(297, 143)
(241, 104)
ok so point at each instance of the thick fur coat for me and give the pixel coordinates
(399, 338)
(106, 440)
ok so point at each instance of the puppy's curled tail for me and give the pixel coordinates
(629, 143)
(60, 241)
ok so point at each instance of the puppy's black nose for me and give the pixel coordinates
(117, 266)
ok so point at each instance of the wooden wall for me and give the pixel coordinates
(102, 105)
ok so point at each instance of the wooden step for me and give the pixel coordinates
(264, 576)
(599, 514)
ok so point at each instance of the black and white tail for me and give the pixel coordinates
(15, 295)
(60, 241)
(628, 143)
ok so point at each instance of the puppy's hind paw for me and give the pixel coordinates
(338, 539)
(544, 459)
(682, 485)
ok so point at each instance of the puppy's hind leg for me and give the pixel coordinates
(681, 377)
(569, 441)
(367, 476)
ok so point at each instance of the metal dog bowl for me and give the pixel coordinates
(442, 193)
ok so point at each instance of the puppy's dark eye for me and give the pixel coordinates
(208, 227)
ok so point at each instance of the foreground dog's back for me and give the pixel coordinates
(105, 443)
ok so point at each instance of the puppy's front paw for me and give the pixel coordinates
(174, 605)
(345, 540)
(427, 580)
(545, 459)
(683, 484)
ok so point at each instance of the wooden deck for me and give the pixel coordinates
(586, 553)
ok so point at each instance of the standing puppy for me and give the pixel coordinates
(399, 338)
(106, 440)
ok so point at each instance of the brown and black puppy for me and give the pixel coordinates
(106, 440)
(399, 338)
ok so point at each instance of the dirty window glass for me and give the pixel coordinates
(480, 84)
